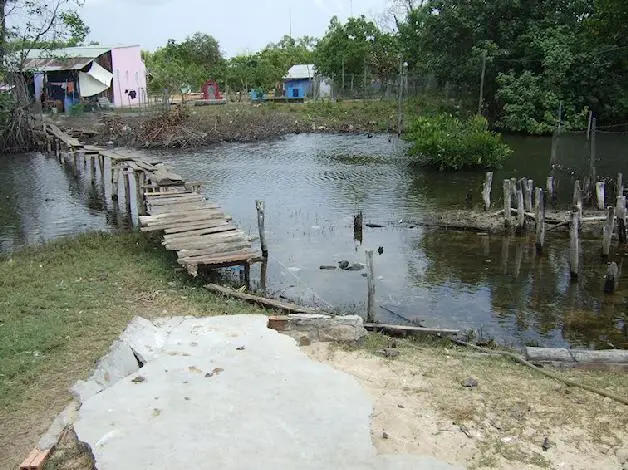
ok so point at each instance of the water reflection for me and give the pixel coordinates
(313, 186)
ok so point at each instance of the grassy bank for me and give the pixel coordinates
(61, 306)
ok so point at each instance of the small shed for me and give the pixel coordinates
(299, 80)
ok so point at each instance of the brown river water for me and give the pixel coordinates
(313, 185)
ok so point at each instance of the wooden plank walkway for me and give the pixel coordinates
(201, 234)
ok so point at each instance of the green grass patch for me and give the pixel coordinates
(63, 304)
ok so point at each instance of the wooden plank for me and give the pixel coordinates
(225, 259)
(189, 226)
(408, 329)
(189, 216)
(170, 193)
(207, 241)
(214, 250)
(195, 234)
(174, 224)
(158, 210)
(174, 213)
(264, 302)
(170, 201)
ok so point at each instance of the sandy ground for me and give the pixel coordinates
(422, 407)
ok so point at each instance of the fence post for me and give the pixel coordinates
(259, 206)
(599, 194)
(520, 210)
(620, 213)
(529, 188)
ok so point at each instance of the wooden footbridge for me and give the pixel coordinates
(203, 236)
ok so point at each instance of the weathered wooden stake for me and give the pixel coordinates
(513, 188)
(48, 146)
(521, 218)
(539, 215)
(528, 188)
(263, 271)
(370, 276)
(358, 227)
(549, 186)
(101, 165)
(247, 276)
(620, 213)
(127, 189)
(486, 190)
(599, 194)
(115, 178)
(609, 228)
(139, 192)
(577, 197)
(57, 147)
(611, 278)
(507, 201)
(259, 206)
(574, 243)
(92, 162)
(620, 184)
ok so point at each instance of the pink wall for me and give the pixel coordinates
(129, 74)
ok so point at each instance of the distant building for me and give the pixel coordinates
(114, 76)
(302, 81)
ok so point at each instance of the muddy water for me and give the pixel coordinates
(314, 184)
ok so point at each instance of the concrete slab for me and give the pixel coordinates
(229, 393)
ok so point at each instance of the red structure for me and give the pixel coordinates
(211, 90)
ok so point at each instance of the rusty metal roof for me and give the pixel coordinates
(69, 58)
(54, 64)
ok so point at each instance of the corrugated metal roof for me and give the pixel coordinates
(51, 65)
(301, 71)
(69, 52)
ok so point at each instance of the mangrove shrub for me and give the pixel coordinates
(445, 142)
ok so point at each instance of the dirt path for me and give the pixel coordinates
(422, 407)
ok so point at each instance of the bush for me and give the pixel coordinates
(448, 143)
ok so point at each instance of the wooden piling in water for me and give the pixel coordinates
(370, 276)
(358, 227)
(486, 190)
(577, 197)
(521, 218)
(115, 179)
(539, 215)
(507, 201)
(611, 278)
(260, 207)
(139, 192)
(528, 190)
(620, 185)
(549, 186)
(599, 194)
(513, 189)
(574, 243)
(620, 213)
(609, 228)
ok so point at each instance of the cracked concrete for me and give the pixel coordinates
(225, 392)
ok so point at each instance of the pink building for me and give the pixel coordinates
(110, 76)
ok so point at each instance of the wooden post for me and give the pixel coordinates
(263, 271)
(358, 227)
(577, 197)
(259, 205)
(127, 190)
(620, 184)
(513, 188)
(549, 186)
(115, 178)
(620, 213)
(92, 163)
(247, 276)
(48, 146)
(507, 201)
(539, 215)
(592, 151)
(609, 228)
(599, 194)
(611, 278)
(370, 276)
(139, 192)
(486, 190)
(574, 244)
(528, 189)
(57, 147)
(101, 165)
(520, 210)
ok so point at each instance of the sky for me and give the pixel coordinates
(239, 26)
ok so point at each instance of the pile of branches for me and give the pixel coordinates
(163, 129)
